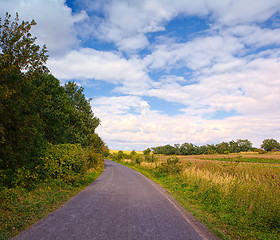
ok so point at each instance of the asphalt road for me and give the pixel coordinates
(121, 204)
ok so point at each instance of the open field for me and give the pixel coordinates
(235, 195)
(234, 157)
(125, 152)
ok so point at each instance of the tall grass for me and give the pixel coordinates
(237, 200)
(245, 198)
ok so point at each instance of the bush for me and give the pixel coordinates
(94, 159)
(171, 166)
(260, 151)
(67, 162)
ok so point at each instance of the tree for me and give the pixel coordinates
(211, 148)
(82, 120)
(233, 146)
(188, 149)
(222, 147)
(54, 107)
(270, 144)
(21, 133)
(35, 110)
(18, 48)
(147, 151)
(244, 145)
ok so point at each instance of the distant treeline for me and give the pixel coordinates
(222, 148)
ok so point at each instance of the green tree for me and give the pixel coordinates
(233, 147)
(82, 121)
(270, 144)
(147, 151)
(244, 145)
(222, 147)
(21, 133)
(35, 110)
(188, 149)
(54, 107)
(18, 48)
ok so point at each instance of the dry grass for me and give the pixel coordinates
(242, 198)
(125, 152)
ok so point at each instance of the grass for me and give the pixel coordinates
(235, 197)
(20, 208)
(125, 152)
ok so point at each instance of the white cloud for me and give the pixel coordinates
(226, 74)
(249, 87)
(127, 22)
(120, 105)
(55, 22)
(200, 52)
(89, 64)
(255, 36)
(135, 131)
(234, 12)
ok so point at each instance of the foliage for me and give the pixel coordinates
(191, 149)
(83, 123)
(53, 105)
(36, 113)
(171, 166)
(147, 151)
(18, 48)
(22, 139)
(65, 161)
(149, 156)
(270, 144)
(97, 151)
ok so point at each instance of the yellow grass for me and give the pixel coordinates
(241, 198)
(125, 152)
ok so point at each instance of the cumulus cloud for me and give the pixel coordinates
(135, 131)
(55, 22)
(89, 64)
(248, 86)
(228, 67)
(200, 52)
(120, 105)
(126, 23)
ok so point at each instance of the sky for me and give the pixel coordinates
(166, 71)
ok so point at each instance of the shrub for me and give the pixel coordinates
(138, 159)
(94, 159)
(171, 166)
(25, 178)
(260, 151)
(64, 161)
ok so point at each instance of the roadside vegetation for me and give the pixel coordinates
(236, 195)
(48, 146)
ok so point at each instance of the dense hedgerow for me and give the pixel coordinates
(46, 130)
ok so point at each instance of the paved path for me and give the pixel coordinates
(121, 204)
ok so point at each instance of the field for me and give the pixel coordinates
(237, 195)
(125, 152)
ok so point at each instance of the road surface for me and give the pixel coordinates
(121, 204)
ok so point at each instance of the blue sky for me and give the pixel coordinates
(167, 71)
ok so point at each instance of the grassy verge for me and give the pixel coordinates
(235, 200)
(20, 208)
